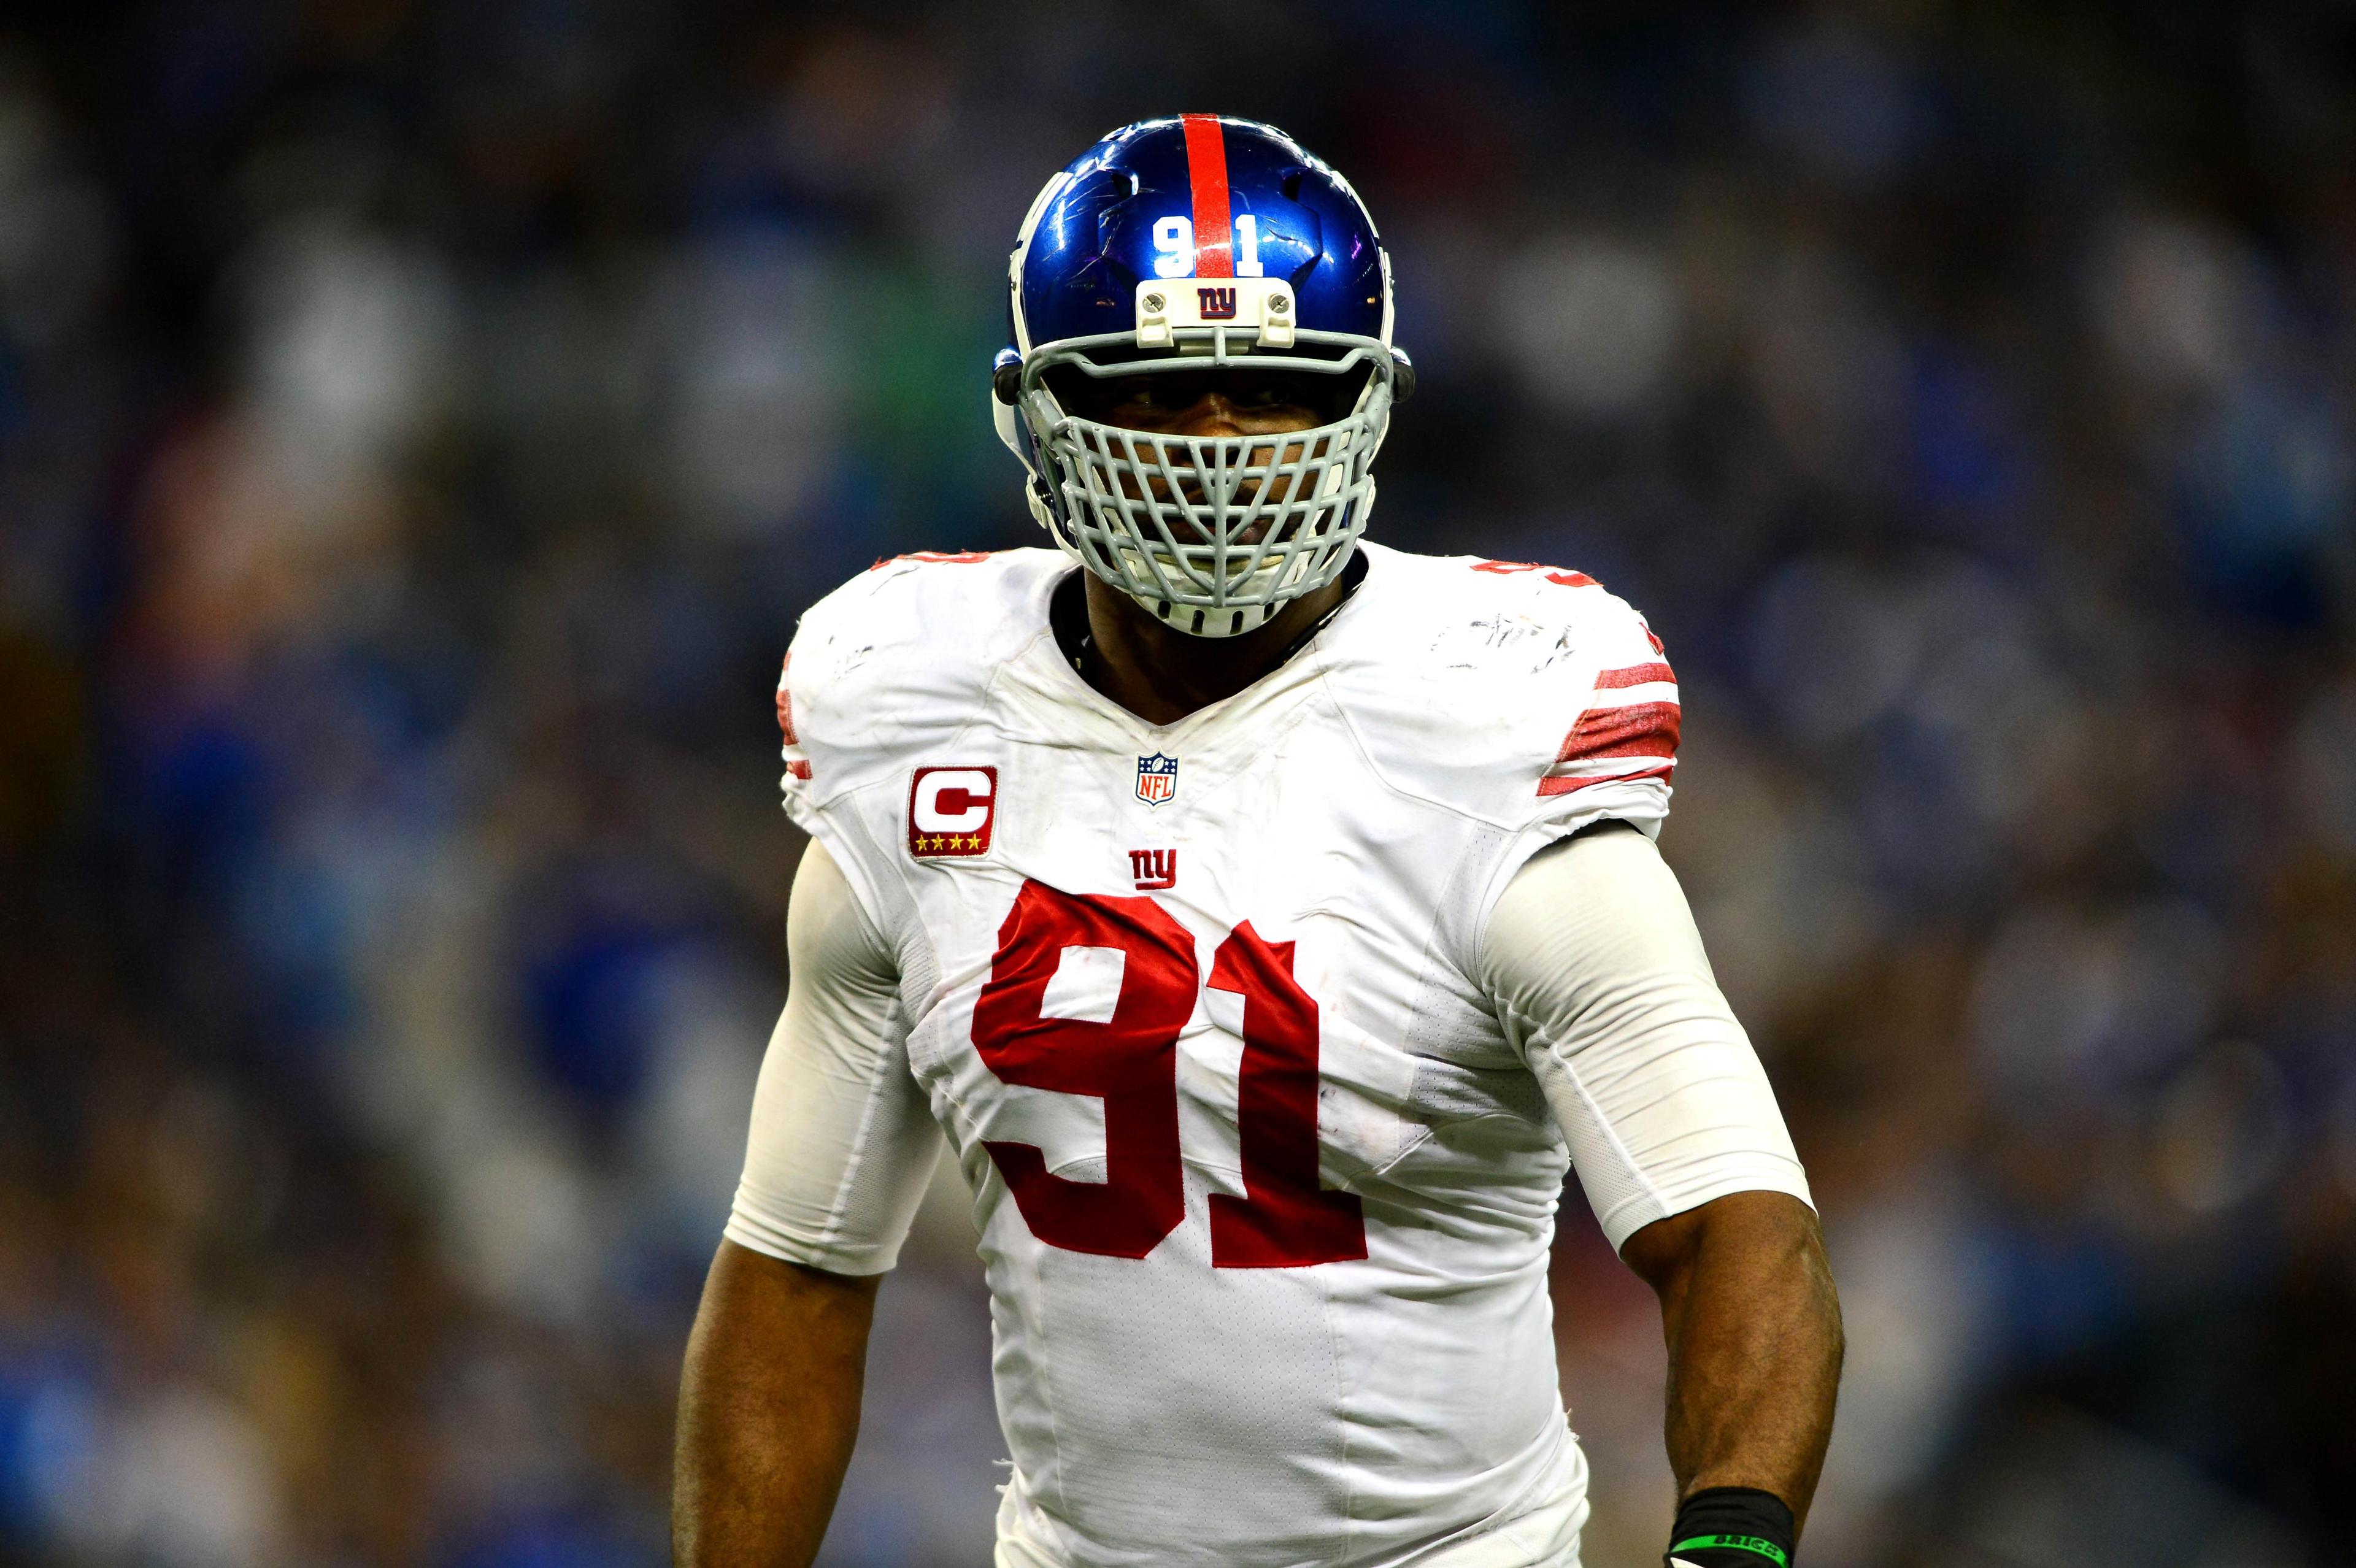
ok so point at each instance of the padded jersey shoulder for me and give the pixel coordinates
(898, 659)
(1516, 693)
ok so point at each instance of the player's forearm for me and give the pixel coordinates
(1755, 1339)
(768, 1409)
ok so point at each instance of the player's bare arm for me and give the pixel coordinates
(768, 1409)
(1269, 920)
(769, 1396)
(1754, 1335)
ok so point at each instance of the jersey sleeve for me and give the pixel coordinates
(841, 702)
(796, 784)
(1592, 732)
(842, 1141)
(1621, 720)
(1597, 973)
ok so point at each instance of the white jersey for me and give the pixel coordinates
(1265, 1188)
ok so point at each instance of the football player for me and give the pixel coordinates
(1266, 922)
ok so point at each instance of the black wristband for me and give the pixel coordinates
(1733, 1527)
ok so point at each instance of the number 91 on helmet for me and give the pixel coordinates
(1185, 254)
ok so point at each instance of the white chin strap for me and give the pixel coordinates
(1208, 623)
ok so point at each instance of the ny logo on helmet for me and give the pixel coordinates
(1218, 304)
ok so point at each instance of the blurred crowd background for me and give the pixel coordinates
(422, 422)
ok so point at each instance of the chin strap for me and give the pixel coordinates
(1352, 575)
(1078, 640)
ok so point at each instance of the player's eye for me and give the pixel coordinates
(1148, 395)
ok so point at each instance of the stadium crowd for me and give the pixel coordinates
(420, 424)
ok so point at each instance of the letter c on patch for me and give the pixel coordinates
(952, 800)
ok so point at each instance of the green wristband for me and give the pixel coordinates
(1763, 1547)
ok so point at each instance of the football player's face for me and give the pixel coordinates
(1213, 405)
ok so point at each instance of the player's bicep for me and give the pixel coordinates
(843, 1143)
(1594, 963)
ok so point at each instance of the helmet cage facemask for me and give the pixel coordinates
(1213, 535)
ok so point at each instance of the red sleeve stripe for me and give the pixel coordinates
(786, 705)
(1634, 675)
(802, 771)
(1556, 785)
(1206, 172)
(1639, 730)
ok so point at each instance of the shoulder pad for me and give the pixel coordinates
(1525, 695)
(898, 659)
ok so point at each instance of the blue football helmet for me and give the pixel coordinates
(1200, 247)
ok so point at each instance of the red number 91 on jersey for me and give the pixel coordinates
(1129, 1060)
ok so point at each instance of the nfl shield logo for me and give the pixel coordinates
(1157, 778)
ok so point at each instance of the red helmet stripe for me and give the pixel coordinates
(1207, 171)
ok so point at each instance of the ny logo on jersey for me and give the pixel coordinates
(1218, 304)
(1154, 869)
(1157, 779)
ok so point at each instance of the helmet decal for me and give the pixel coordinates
(1207, 175)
